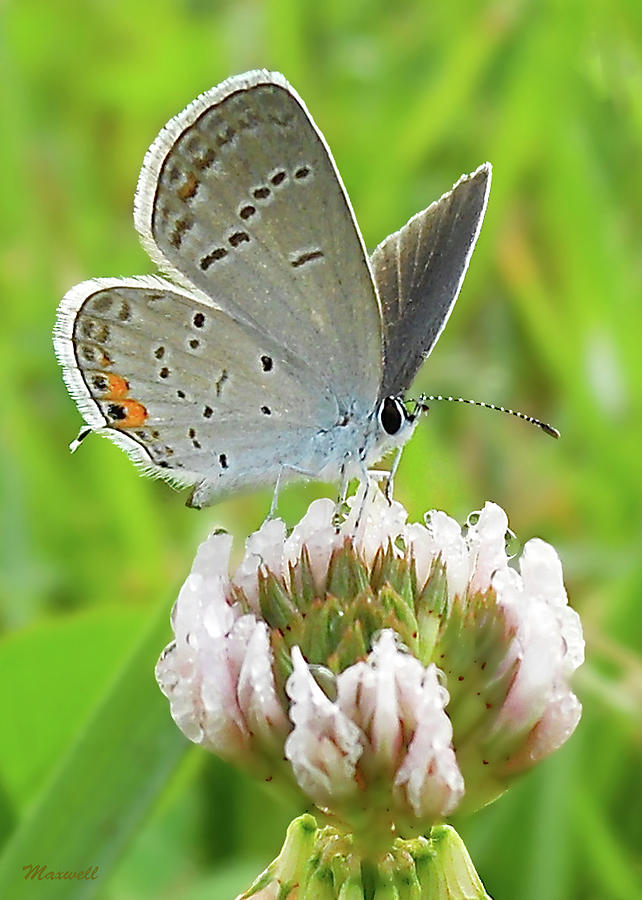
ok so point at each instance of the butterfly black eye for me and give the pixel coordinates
(391, 415)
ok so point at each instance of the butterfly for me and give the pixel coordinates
(272, 347)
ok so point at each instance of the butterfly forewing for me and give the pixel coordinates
(419, 271)
(240, 197)
(187, 390)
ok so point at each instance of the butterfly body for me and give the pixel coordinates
(273, 348)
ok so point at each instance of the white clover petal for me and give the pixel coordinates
(264, 548)
(429, 773)
(573, 637)
(213, 556)
(202, 601)
(178, 680)
(373, 521)
(548, 646)
(325, 745)
(256, 691)
(220, 686)
(220, 661)
(541, 571)
(555, 727)
(486, 541)
(368, 692)
(442, 538)
(317, 532)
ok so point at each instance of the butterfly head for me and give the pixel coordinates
(394, 417)
(393, 425)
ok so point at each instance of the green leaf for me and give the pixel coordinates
(42, 696)
(105, 783)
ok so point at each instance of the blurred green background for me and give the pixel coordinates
(409, 95)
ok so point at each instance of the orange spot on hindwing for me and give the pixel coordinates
(127, 414)
(122, 411)
(117, 387)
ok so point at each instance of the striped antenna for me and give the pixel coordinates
(548, 429)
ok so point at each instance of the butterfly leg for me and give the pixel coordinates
(377, 475)
(343, 485)
(388, 476)
(392, 473)
(340, 508)
(279, 481)
(368, 479)
(275, 495)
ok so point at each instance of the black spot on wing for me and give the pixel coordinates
(303, 258)
(220, 382)
(216, 254)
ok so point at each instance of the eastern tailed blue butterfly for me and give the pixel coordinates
(275, 348)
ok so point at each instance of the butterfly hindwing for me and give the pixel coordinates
(419, 270)
(189, 392)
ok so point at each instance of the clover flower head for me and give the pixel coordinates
(389, 672)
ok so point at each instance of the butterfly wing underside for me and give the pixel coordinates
(419, 270)
(189, 392)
